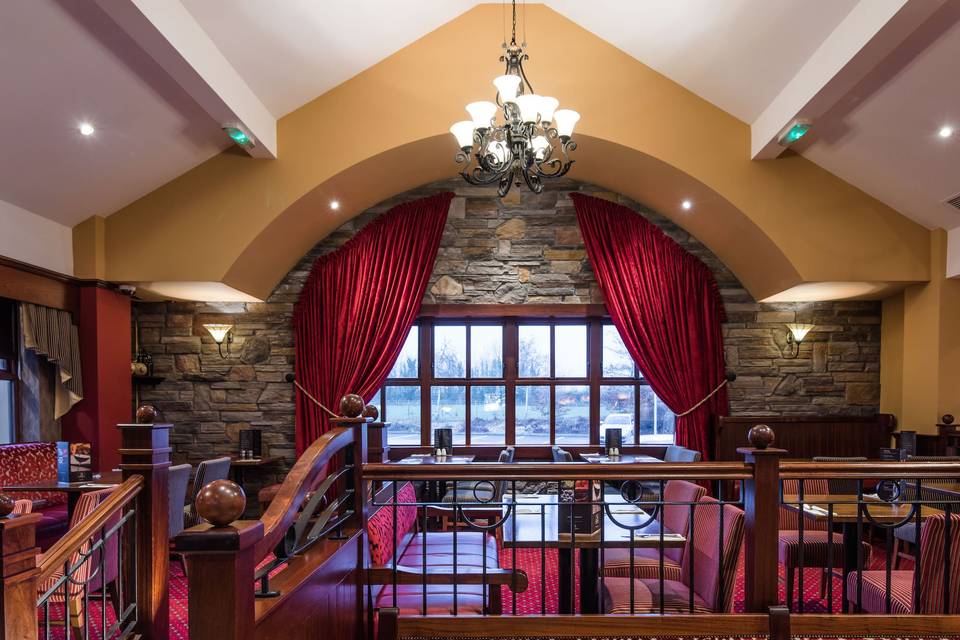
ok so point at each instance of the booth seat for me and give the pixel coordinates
(28, 462)
(471, 549)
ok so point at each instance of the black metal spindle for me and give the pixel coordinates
(424, 524)
(456, 526)
(46, 618)
(720, 561)
(103, 586)
(393, 572)
(830, 560)
(66, 600)
(660, 505)
(860, 510)
(918, 521)
(543, 553)
(603, 533)
(888, 570)
(573, 552)
(947, 544)
(800, 549)
(513, 576)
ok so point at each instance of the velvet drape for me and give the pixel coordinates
(358, 305)
(667, 307)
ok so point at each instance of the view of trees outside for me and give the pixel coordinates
(618, 401)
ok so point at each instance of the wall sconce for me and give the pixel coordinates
(220, 332)
(797, 332)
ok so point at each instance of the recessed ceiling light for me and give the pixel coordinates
(687, 205)
(334, 204)
(86, 129)
(946, 131)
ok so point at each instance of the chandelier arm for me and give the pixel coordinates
(533, 181)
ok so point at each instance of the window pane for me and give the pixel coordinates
(448, 409)
(573, 414)
(571, 356)
(488, 415)
(402, 411)
(666, 421)
(617, 362)
(533, 361)
(450, 351)
(407, 362)
(6, 411)
(656, 420)
(486, 351)
(616, 411)
(533, 414)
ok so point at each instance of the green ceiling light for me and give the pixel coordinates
(239, 134)
(796, 130)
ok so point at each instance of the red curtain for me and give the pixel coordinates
(357, 306)
(667, 307)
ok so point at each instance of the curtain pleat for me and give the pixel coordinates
(357, 306)
(50, 333)
(666, 305)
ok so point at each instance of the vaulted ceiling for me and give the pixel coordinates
(157, 78)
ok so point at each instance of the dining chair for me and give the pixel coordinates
(561, 455)
(711, 588)
(674, 518)
(479, 490)
(179, 478)
(21, 507)
(207, 472)
(933, 546)
(838, 486)
(935, 494)
(676, 453)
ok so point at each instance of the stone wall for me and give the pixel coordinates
(526, 248)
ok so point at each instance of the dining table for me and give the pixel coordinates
(435, 489)
(74, 490)
(602, 458)
(843, 510)
(533, 523)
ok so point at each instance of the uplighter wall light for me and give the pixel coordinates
(797, 332)
(220, 333)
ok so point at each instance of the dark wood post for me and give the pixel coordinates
(761, 502)
(378, 449)
(145, 451)
(18, 577)
(220, 568)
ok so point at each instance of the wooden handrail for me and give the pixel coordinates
(869, 470)
(77, 536)
(299, 481)
(560, 471)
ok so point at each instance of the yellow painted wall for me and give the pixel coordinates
(891, 355)
(775, 223)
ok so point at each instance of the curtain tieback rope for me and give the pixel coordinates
(291, 378)
(730, 377)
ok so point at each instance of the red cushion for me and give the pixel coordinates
(380, 526)
(28, 462)
(646, 597)
(52, 525)
(873, 595)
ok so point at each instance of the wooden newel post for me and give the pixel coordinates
(220, 569)
(145, 451)
(761, 502)
(18, 577)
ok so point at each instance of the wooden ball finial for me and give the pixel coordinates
(947, 419)
(761, 436)
(6, 505)
(351, 405)
(221, 502)
(371, 411)
(147, 414)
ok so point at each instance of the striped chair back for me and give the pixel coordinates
(207, 472)
(789, 518)
(713, 580)
(21, 507)
(676, 517)
(933, 549)
(177, 492)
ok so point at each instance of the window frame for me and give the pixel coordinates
(10, 322)
(465, 315)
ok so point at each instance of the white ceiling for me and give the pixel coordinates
(65, 62)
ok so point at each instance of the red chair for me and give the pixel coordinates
(712, 583)
(932, 547)
(21, 507)
(675, 519)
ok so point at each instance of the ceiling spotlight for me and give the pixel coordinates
(946, 131)
(687, 205)
(334, 204)
(793, 132)
(240, 135)
(86, 129)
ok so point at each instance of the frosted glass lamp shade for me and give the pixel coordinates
(507, 86)
(529, 104)
(799, 331)
(463, 132)
(540, 145)
(548, 105)
(482, 113)
(565, 119)
(498, 150)
(218, 331)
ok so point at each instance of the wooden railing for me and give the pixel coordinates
(123, 541)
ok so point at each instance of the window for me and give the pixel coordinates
(8, 372)
(525, 382)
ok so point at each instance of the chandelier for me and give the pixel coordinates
(530, 142)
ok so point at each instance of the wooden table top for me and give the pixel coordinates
(534, 530)
(845, 509)
(600, 458)
(426, 459)
(253, 462)
(104, 481)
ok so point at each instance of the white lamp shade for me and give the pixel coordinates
(482, 113)
(548, 105)
(529, 104)
(540, 145)
(799, 331)
(564, 120)
(507, 86)
(218, 331)
(463, 132)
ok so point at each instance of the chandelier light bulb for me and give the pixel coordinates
(498, 151)
(548, 105)
(507, 86)
(540, 146)
(482, 113)
(529, 104)
(463, 132)
(565, 120)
